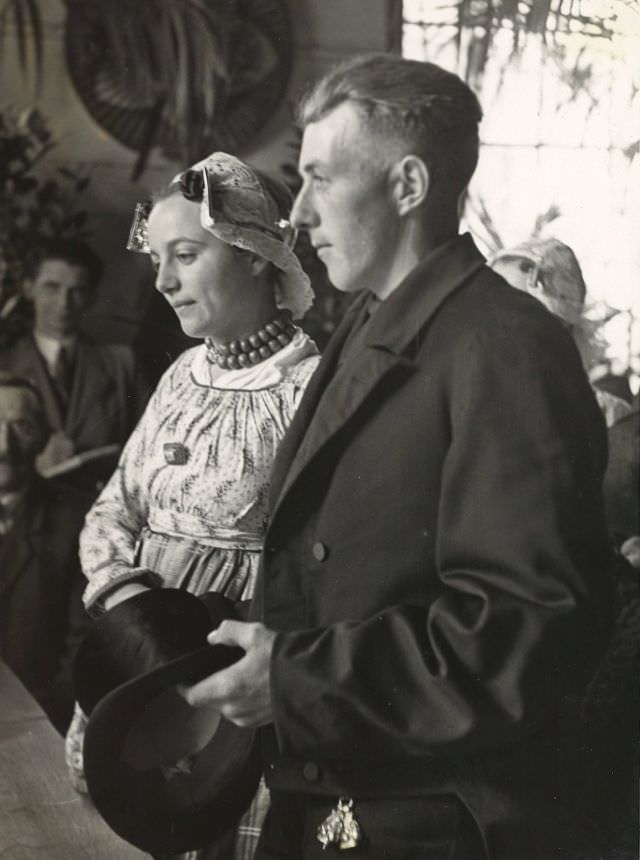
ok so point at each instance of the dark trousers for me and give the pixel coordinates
(406, 828)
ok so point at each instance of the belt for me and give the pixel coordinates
(184, 525)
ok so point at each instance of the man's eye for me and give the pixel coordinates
(155, 264)
(25, 428)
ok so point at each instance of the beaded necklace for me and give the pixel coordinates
(245, 352)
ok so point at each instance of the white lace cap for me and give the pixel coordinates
(555, 279)
(237, 209)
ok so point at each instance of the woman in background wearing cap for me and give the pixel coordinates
(186, 507)
(548, 270)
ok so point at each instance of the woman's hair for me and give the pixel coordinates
(432, 112)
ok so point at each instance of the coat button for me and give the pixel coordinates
(311, 771)
(320, 551)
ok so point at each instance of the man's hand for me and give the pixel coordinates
(59, 448)
(242, 693)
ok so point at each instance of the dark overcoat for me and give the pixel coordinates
(42, 618)
(437, 564)
(108, 395)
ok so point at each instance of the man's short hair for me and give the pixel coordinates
(430, 110)
(71, 251)
(14, 380)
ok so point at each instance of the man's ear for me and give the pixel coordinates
(410, 183)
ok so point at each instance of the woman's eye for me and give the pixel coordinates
(186, 257)
(155, 264)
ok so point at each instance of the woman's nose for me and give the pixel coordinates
(166, 280)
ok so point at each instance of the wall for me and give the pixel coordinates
(324, 31)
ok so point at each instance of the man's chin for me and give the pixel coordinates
(344, 285)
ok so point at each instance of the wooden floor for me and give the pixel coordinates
(41, 816)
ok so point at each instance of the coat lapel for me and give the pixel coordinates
(313, 392)
(18, 546)
(32, 364)
(90, 380)
(394, 326)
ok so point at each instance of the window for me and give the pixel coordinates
(560, 142)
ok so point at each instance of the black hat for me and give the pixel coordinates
(165, 776)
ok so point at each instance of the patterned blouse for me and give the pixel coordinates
(225, 427)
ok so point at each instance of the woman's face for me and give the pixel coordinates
(208, 283)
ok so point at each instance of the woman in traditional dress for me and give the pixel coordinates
(187, 505)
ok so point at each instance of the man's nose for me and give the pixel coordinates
(4, 438)
(303, 214)
(67, 300)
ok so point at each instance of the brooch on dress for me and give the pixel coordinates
(175, 453)
(340, 827)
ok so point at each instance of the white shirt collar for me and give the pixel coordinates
(49, 347)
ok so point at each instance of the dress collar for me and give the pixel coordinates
(264, 375)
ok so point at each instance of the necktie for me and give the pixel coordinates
(62, 375)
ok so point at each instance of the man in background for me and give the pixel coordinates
(41, 614)
(92, 393)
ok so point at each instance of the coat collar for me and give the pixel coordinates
(412, 304)
(394, 326)
(91, 380)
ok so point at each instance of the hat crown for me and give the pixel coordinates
(140, 635)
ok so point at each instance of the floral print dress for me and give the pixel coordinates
(187, 504)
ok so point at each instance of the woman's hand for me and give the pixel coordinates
(124, 592)
(242, 692)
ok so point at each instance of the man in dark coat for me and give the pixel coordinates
(42, 618)
(93, 393)
(435, 588)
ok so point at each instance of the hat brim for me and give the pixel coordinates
(165, 776)
(169, 809)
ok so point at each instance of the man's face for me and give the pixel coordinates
(345, 203)
(22, 435)
(61, 293)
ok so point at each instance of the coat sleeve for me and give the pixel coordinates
(523, 602)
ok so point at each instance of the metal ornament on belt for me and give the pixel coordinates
(340, 827)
